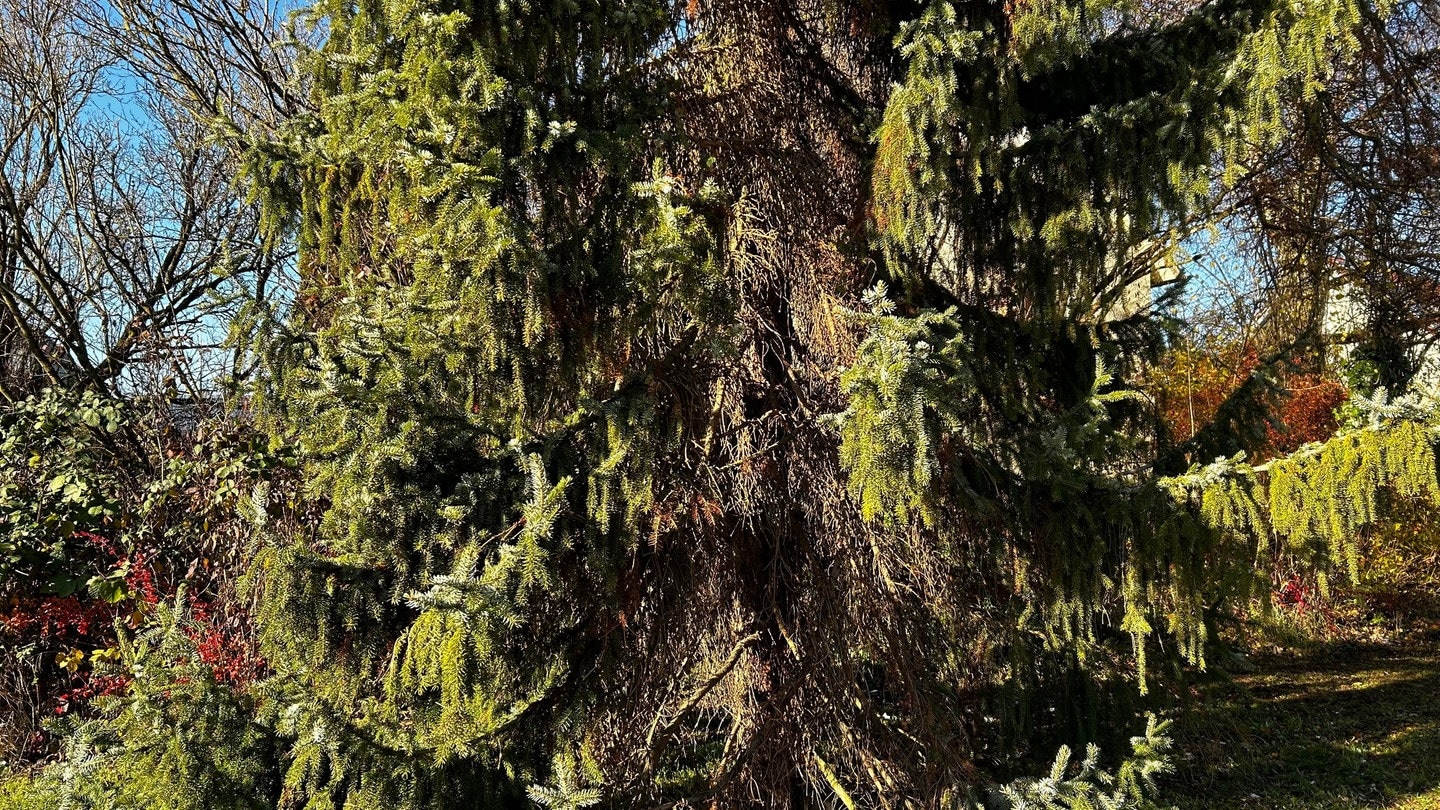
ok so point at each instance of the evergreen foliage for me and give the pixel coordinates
(498, 276)
(1091, 788)
(611, 511)
(176, 739)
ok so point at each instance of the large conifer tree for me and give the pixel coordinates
(717, 402)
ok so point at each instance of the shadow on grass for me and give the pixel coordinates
(1343, 727)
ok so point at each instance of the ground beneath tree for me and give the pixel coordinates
(1340, 726)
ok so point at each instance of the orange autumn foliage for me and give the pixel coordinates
(1190, 385)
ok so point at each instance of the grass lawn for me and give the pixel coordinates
(1340, 726)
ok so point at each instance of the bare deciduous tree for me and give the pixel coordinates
(124, 244)
(1349, 199)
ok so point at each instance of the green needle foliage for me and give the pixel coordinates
(635, 488)
(497, 274)
(176, 739)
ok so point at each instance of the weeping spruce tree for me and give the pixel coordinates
(723, 404)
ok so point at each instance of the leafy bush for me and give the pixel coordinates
(106, 509)
(1400, 577)
(61, 474)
